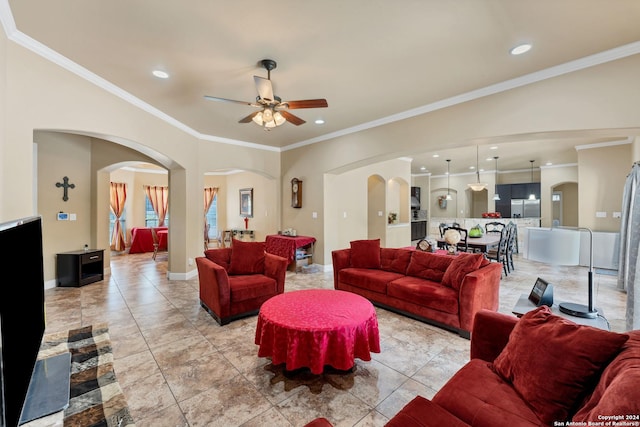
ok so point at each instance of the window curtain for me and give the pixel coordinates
(209, 195)
(628, 269)
(118, 195)
(159, 198)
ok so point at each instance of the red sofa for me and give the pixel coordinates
(234, 282)
(440, 289)
(543, 370)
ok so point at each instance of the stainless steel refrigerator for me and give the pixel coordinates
(525, 208)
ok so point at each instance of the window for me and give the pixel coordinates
(150, 216)
(212, 218)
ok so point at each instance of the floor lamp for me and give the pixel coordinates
(561, 246)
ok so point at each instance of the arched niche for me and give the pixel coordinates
(398, 194)
(564, 204)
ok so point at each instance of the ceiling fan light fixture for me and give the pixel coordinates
(267, 115)
(257, 119)
(277, 117)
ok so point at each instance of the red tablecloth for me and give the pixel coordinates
(317, 327)
(285, 246)
(142, 240)
(163, 238)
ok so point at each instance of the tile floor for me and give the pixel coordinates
(178, 367)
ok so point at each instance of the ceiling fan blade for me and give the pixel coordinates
(265, 90)
(215, 98)
(306, 103)
(248, 118)
(294, 120)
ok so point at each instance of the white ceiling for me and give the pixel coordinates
(370, 59)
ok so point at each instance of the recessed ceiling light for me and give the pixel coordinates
(422, 168)
(549, 163)
(436, 155)
(495, 147)
(319, 122)
(520, 49)
(161, 74)
(472, 167)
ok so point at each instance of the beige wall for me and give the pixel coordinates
(602, 173)
(347, 207)
(38, 95)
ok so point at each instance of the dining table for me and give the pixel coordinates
(481, 244)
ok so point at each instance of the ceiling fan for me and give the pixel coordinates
(273, 111)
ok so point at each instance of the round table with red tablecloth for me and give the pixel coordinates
(314, 328)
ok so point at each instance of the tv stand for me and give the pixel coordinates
(79, 268)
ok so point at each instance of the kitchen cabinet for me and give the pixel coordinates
(418, 230)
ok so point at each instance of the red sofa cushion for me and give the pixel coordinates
(247, 257)
(428, 266)
(617, 391)
(220, 256)
(365, 253)
(374, 280)
(462, 264)
(425, 293)
(552, 362)
(421, 412)
(480, 397)
(395, 259)
(248, 287)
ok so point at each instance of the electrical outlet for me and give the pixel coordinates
(601, 214)
(617, 214)
(190, 261)
(314, 215)
(344, 214)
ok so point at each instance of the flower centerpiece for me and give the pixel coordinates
(452, 237)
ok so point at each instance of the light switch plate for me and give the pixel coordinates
(617, 214)
(601, 214)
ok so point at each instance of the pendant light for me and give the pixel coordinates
(477, 186)
(448, 180)
(496, 196)
(532, 196)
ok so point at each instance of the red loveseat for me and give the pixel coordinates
(236, 281)
(443, 290)
(541, 370)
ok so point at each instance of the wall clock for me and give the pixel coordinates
(296, 193)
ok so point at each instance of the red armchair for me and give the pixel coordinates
(234, 282)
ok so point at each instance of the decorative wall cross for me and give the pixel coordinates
(65, 185)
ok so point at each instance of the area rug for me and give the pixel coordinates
(95, 397)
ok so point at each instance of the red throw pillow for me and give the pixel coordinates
(428, 266)
(365, 253)
(553, 362)
(246, 257)
(462, 264)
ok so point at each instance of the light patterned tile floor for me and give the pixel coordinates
(178, 367)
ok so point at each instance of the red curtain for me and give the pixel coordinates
(159, 198)
(118, 195)
(209, 195)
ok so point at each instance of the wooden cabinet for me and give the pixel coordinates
(79, 268)
(418, 230)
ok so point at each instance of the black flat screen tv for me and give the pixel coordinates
(22, 312)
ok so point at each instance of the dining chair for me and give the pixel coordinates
(498, 253)
(512, 244)
(156, 243)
